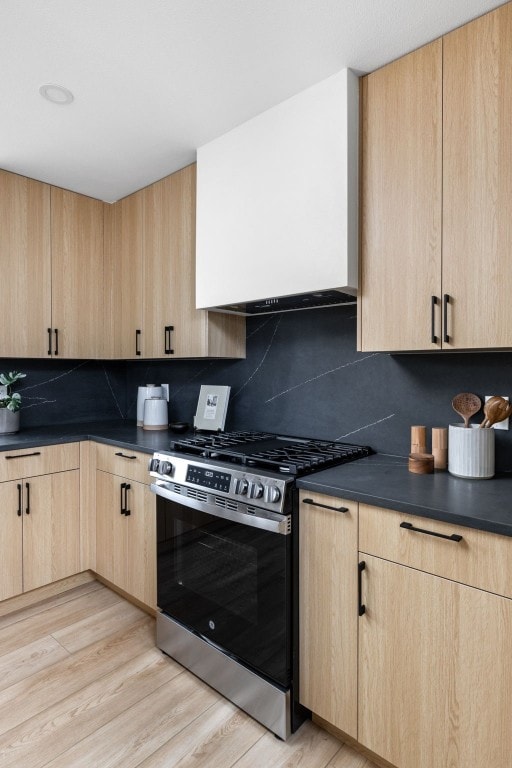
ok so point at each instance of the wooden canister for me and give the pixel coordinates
(418, 439)
(421, 463)
(440, 447)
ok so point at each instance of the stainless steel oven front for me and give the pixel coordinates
(225, 582)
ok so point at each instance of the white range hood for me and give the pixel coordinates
(277, 205)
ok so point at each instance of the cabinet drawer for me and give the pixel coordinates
(123, 462)
(44, 460)
(480, 559)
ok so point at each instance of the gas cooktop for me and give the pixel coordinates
(263, 450)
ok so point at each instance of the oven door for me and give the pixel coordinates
(228, 582)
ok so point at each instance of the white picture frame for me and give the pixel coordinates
(212, 408)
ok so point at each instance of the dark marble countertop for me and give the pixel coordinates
(124, 434)
(385, 481)
(380, 480)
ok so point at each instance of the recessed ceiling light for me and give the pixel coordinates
(56, 94)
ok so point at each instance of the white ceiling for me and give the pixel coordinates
(155, 79)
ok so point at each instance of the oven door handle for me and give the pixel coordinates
(267, 521)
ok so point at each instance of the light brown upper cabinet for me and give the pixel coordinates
(150, 278)
(77, 275)
(477, 182)
(401, 203)
(426, 285)
(123, 278)
(25, 252)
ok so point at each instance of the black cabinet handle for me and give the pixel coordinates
(19, 499)
(167, 339)
(23, 455)
(27, 510)
(56, 341)
(137, 339)
(361, 609)
(446, 301)
(49, 341)
(411, 527)
(124, 499)
(324, 506)
(127, 487)
(125, 456)
(433, 337)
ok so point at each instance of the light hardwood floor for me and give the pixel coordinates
(82, 685)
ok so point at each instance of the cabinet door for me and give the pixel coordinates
(401, 203)
(11, 542)
(123, 278)
(111, 530)
(434, 670)
(477, 221)
(25, 291)
(126, 543)
(141, 544)
(51, 528)
(77, 274)
(169, 269)
(328, 609)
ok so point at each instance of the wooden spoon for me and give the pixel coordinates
(496, 409)
(466, 405)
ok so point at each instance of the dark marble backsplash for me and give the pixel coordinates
(302, 376)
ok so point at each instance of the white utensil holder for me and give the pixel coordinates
(470, 452)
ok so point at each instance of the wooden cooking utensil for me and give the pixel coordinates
(496, 409)
(466, 405)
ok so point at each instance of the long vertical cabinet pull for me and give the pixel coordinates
(446, 301)
(19, 499)
(433, 337)
(167, 339)
(137, 342)
(126, 511)
(56, 331)
(125, 487)
(27, 509)
(361, 609)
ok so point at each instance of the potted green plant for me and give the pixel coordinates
(10, 403)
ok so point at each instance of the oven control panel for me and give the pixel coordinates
(208, 478)
(266, 491)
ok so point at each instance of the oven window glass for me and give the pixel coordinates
(229, 583)
(215, 567)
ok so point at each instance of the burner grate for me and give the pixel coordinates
(262, 450)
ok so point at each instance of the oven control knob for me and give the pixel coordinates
(255, 489)
(271, 494)
(241, 486)
(165, 468)
(153, 465)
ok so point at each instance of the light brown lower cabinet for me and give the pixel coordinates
(422, 676)
(327, 609)
(435, 672)
(40, 531)
(126, 535)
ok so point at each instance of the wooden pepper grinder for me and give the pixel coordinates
(440, 447)
(418, 439)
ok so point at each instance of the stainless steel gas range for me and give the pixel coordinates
(227, 549)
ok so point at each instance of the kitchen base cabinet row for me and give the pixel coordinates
(40, 512)
(66, 509)
(414, 665)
